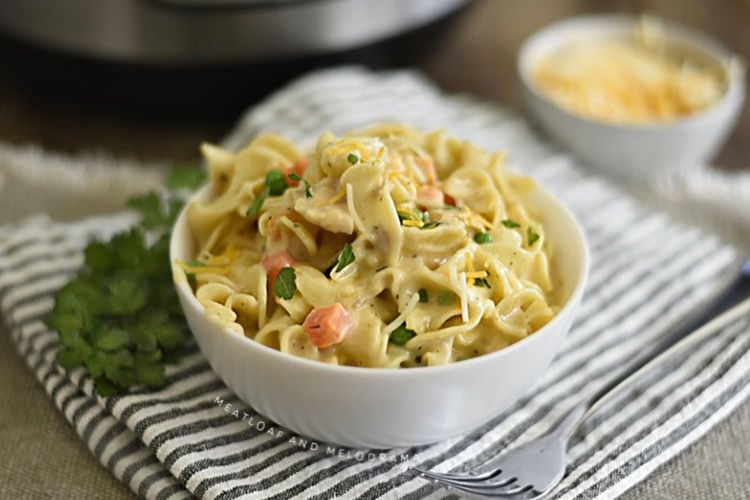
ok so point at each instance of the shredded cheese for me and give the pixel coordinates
(390, 327)
(412, 222)
(333, 199)
(627, 81)
(464, 297)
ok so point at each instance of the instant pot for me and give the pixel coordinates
(171, 51)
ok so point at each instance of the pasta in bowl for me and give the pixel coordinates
(380, 250)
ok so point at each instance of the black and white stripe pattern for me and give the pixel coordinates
(647, 273)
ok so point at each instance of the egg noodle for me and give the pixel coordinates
(382, 248)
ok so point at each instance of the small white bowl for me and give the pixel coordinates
(385, 408)
(629, 151)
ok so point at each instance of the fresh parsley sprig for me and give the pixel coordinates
(119, 317)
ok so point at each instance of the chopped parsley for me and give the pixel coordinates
(275, 185)
(353, 158)
(430, 224)
(511, 224)
(257, 203)
(296, 178)
(483, 238)
(346, 257)
(482, 283)
(401, 335)
(532, 236)
(423, 297)
(285, 284)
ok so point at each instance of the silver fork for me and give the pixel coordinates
(531, 470)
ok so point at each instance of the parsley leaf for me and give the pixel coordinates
(346, 257)
(119, 317)
(285, 285)
(481, 283)
(483, 238)
(511, 224)
(430, 224)
(257, 203)
(155, 212)
(295, 177)
(186, 177)
(275, 185)
(532, 236)
(353, 158)
(401, 335)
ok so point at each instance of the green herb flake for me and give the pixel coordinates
(353, 158)
(285, 284)
(257, 203)
(295, 177)
(532, 236)
(401, 335)
(276, 183)
(423, 297)
(308, 190)
(430, 225)
(511, 224)
(481, 283)
(346, 257)
(446, 298)
(483, 238)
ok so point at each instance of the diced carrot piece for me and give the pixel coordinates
(329, 325)
(450, 200)
(430, 194)
(298, 168)
(428, 168)
(275, 262)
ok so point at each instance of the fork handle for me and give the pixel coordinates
(732, 304)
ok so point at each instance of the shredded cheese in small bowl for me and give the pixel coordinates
(636, 99)
(634, 79)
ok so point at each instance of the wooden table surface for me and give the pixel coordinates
(476, 55)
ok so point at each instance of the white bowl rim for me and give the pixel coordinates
(675, 32)
(359, 371)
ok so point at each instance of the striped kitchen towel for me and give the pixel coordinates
(194, 437)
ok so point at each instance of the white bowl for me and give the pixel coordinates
(384, 408)
(633, 152)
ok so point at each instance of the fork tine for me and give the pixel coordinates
(515, 492)
(467, 478)
(458, 476)
(464, 480)
(498, 488)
